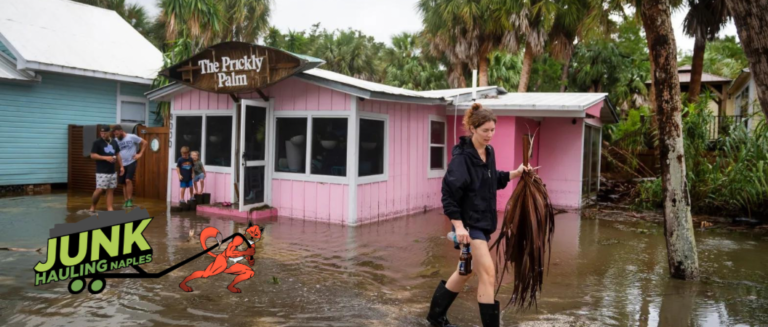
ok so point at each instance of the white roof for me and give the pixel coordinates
(366, 85)
(553, 101)
(69, 37)
(447, 93)
(8, 71)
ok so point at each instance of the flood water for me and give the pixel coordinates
(603, 273)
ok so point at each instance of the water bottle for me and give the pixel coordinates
(452, 236)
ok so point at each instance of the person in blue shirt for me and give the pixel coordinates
(184, 167)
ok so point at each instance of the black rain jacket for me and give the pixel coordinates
(470, 185)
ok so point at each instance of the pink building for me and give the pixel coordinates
(328, 147)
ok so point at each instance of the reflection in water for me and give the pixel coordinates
(382, 274)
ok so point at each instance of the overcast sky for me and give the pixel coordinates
(378, 18)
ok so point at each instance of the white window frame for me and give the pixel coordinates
(437, 173)
(204, 114)
(121, 98)
(307, 176)
(381, 177)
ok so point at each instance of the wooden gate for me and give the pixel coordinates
(152, 171)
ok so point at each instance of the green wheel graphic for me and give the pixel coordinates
(97, 285)
(76, 286)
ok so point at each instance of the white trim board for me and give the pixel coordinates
(436, 173)
(353, 130)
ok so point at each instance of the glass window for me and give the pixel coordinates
(371, 147)
(218, 141)
(437, 145)
(291, 145)
(329, 146)
(255, 133)
(133, 112)
(189, 132)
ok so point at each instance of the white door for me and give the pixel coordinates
(254, 138)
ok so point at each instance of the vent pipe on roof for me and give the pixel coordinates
(474, 85)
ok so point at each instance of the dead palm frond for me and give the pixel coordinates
(526, 236)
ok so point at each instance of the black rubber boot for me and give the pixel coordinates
(489, 314)
(441, 301)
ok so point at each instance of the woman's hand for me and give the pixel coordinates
(462, 235)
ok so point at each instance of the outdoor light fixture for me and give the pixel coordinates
(574, 121)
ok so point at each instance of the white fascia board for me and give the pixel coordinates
(37, 66)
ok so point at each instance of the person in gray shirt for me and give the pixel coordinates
(128, 144)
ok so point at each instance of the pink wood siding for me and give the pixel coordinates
(308, 200)
(201, 100)
(295, 94)
(561, 159)
(218, 184)
(407, 189)
(594, 110)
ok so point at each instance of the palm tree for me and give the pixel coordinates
(705, 18)
(467, 31)
(569, 23)
(199, 20)
(678, 226)
(533, 20)
(750, 17)
(504, 69)
(245, 20)
(407, 68)
(349, 52)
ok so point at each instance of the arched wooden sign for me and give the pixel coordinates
(236, 67)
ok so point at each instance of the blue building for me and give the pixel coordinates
(65, 63)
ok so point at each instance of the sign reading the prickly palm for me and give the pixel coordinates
(235, 67)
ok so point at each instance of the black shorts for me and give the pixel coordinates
(130, 171)
(477, 234)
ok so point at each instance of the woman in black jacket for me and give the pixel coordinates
(469, 200)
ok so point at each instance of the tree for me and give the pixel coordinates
(504, 69)
(351, 53)
(532, 19)
(751, 18)
(469, 30)
(406, 67)
(570, 21)
(705, 18)
(244, 20)
(723, 57)
(678, 225)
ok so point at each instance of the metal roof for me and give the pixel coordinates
(552, 101)
(73, 38)
(8, 71)
(684, 74)
(367, 89)
(545, 104)
(454, 92)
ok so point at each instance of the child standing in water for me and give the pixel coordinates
(199, 170)
(186, 173)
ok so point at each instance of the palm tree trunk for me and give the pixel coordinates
(697, 67)
(456, 75)
(564, 75)
(484, 62)
(751, 18)
(678, 227)
(525, 74)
